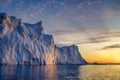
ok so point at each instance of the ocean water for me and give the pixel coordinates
(60, 72)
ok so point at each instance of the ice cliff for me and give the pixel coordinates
(68, 55)
(23, 43)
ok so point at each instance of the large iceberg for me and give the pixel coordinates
(24, 43)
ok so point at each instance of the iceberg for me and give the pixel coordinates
(27, 44)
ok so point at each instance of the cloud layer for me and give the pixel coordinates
(111, 46)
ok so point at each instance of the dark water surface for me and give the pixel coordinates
(60, 72)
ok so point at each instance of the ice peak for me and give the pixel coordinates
(38, 23)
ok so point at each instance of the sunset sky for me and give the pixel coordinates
(93, 25)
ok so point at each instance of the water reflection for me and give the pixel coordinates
(68, 72)
(48, 72)
(60, 72)
(100, 72)
(28, 72)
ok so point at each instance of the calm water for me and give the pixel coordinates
(60, 72)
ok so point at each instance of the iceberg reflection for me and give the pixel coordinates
(44, 72)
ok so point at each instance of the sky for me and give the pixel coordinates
(93, 25)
